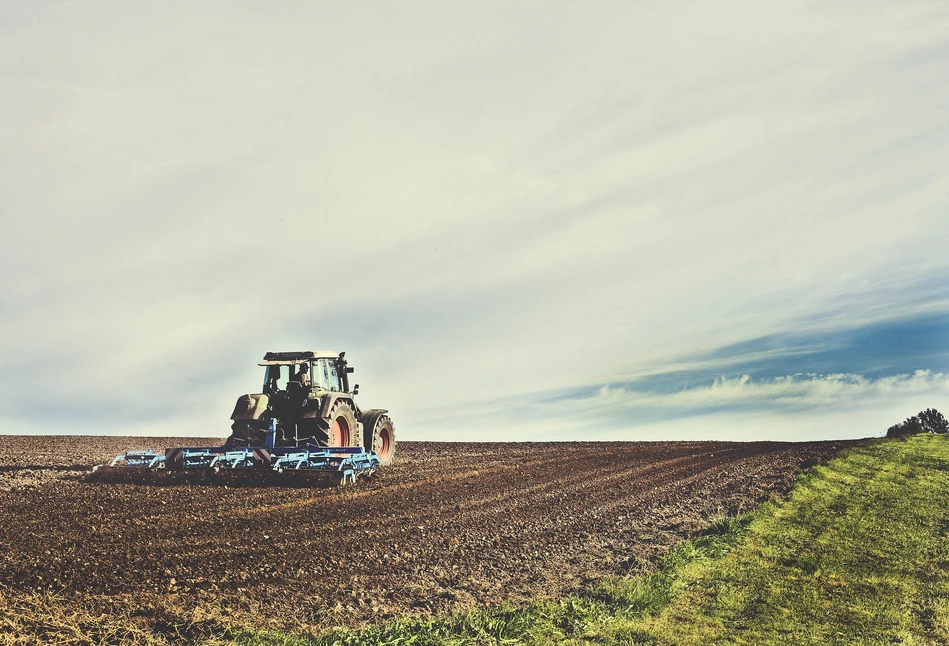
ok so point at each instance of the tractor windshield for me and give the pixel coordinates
(324, 375)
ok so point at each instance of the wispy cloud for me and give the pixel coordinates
(787, 408)
(798, 391)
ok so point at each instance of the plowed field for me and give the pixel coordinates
(447, 527)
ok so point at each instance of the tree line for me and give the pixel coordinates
(927, 421)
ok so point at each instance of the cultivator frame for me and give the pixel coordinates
(258, 465)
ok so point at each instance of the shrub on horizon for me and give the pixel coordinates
(933, 421)
(927, 421)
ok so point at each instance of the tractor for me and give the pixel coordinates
(303, 429)
(307, 398)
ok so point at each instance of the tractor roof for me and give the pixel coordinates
(292, 358)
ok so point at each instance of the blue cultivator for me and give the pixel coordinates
(349, 462)
(262, 465)
(147, 458)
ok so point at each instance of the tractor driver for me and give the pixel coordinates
(304, 375)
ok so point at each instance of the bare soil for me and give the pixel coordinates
(447, 527)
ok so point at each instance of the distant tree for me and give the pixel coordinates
(933, 421)
(927, 421)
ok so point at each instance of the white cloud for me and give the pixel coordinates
(788, 408)
(800, 391)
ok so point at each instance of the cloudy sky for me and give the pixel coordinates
(521, 220)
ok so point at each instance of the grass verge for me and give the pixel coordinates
(859, 553)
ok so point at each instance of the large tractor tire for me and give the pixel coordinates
(342, 427)
(379, 435)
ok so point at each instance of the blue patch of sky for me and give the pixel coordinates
(875, 350)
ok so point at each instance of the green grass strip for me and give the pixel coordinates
(858, 554)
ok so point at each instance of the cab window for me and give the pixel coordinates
(324, 375)
(276, 377)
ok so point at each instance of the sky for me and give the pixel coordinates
(521, 220)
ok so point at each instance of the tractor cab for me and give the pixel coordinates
(326, 371)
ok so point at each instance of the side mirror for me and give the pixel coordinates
(356, 389)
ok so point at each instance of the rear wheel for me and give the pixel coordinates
(379, 435)
(342, 425)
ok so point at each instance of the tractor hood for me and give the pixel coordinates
(250, 406)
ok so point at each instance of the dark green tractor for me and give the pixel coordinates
(307, 400)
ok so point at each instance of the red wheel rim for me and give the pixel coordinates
(385, 443)
(340, 432)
